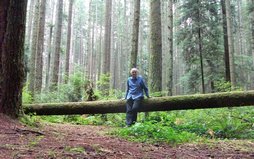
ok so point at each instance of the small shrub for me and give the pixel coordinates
(26, 96)
(155, 132)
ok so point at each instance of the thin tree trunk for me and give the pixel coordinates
(34, 49)
(252, 29)
(200, 50)
(225, 36)
(49, 56)
(135, 33)
(40, 47)
(49, 45)
(100, 52)
(30, 13)
(230, 44)
(68, 47)
(57, 43)
(170, 43)
(89, 47)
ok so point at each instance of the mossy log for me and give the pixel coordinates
(198, 101)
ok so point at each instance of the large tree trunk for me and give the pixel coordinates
(199, 101)
(135, 33)
(12, 35)
(155, 74)
(3, 24)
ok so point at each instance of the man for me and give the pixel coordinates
(134, 96)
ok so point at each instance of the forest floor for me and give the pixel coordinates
(79, 141)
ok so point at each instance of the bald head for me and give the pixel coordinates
(134, 72)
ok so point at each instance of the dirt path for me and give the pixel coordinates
(75, 141)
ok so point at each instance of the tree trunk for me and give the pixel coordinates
(252, 29)
(198, 101)
(49, 56)
(155, 79)
(170, 43)
(230, 44)
(12, 35)
(200, 49)
(57, 43)
(30, 13)
(225, 36)
(4, 4)
(32, 60)
(68, 47)
(40, 47)
(135, 33)
(107, 38)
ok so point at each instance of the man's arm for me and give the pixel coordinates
(145, 88)
(127, 89)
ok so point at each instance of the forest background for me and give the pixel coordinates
(180, 47)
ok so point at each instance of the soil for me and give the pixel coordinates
(92, 142)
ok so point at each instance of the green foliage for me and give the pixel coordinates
(200, 25)
(71, 92)
(155, 132)
(53, 118)
(103, 84)
(156, 94)
(30, 120)
(26, 96)
(224, 86)
(75, 149)
(184, 126)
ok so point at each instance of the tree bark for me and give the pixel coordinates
(135, 33)
(4, 4)
(198, 101)
(107, 38)
(200, 48)
(225, 36)
(68, 47)
(155, 74)
(170, 41)
(30, 13)
(31, 77)
(12, 35)
(40, 47)
(57, 43)
(230, 44)
(252, 29)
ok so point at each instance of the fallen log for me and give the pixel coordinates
(198, 101)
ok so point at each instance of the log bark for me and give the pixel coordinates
(199, 101)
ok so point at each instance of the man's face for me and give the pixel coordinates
(134, 74)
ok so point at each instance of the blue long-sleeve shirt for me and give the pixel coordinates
(135, 88)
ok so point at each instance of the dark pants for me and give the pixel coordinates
(132, 107)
